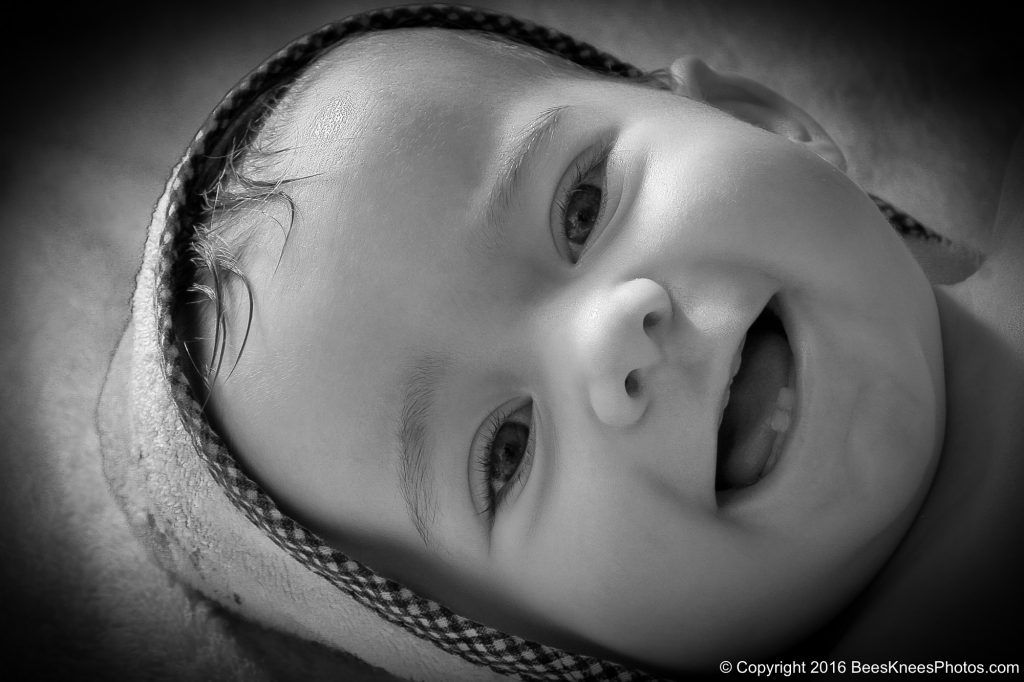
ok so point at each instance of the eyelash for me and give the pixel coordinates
(492, 501)
(594, 159)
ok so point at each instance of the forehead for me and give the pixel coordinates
(390, 137)
(411, 83)
(395, 132)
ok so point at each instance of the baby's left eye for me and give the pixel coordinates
(503, 453)
(506, 452)
(581, 203)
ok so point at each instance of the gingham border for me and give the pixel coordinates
(474, 642)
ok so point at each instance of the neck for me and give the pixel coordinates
(984, 395)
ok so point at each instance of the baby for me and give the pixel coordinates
(628, 367)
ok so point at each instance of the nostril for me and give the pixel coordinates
(633, 384)
(651, 320)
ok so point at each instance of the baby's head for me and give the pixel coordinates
(630, 368)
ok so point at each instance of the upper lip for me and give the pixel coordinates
(730, 373)
(732, 367)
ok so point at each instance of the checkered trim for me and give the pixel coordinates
(474, 642)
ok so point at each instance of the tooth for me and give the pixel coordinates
(787, 396)
(780, 421)
(736, 360)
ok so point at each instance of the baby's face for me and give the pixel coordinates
(494, 359)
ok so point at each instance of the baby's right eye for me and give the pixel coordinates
(503, 454)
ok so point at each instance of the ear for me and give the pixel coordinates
(754, 103)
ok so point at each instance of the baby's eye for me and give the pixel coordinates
(580, 217)
(504, 453)
(581, 203)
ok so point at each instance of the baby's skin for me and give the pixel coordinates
(631, 371)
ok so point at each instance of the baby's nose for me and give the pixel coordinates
(617, 345)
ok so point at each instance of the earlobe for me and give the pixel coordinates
(754, 103)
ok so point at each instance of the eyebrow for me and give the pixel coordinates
(526, 142)
(419, 388)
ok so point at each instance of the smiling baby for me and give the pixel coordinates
(629, 367)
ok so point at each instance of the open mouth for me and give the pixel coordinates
(758, 411)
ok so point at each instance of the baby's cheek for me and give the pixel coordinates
(868, 476)
(891, 443)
